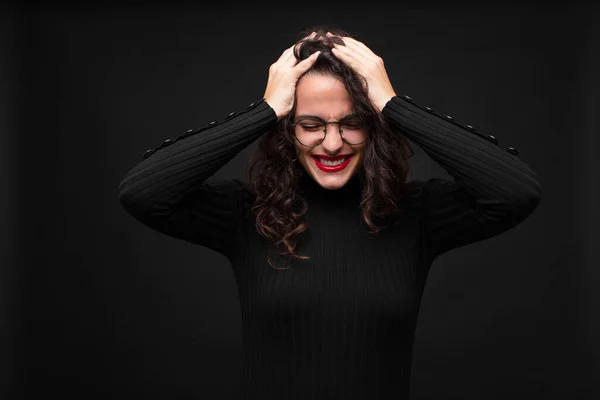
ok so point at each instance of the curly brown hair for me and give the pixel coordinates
(279, 207)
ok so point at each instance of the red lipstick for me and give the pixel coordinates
(336, 168)
(323, 156)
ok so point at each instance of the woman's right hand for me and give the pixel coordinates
(283, 76)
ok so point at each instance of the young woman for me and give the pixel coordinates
(330, 242)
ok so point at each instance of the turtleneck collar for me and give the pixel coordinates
(350, 193)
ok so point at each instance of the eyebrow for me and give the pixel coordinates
(302, 116)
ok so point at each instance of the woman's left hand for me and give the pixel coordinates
(366, 63)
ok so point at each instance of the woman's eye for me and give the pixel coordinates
(311, 127)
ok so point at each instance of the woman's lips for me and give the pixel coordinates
(335, 168)
(331, 158)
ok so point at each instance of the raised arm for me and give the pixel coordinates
(493, 189)
(168, 190)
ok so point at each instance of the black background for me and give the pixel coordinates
(96, 306)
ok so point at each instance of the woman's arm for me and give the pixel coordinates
(167, 191)
(493, 189)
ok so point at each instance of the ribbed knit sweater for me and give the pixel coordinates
(340, 325)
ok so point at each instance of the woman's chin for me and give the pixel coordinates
(332, 180)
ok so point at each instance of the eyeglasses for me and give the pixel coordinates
(311, 131)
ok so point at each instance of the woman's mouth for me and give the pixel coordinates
(332, 166)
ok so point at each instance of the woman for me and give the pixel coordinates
(330, 259)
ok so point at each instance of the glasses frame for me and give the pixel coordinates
(340, 131)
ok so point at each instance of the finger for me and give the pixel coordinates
(351, 49)
(358, 46)
(349, 56)
(305, 64)
(285, 55)
(352, 40)
(312, 35)
(307, 37)
(355, 54)
(287, 58)
(346, 59)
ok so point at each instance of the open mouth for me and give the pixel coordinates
(332, 166)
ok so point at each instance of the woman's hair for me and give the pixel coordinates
(279, 208)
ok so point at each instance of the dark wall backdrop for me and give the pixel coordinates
(97, 306)
(7, 200)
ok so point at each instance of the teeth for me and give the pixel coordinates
(332, 163)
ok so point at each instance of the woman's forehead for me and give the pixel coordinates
(324, 97)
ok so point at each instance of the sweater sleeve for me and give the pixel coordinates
(168, 190)
(492, 189)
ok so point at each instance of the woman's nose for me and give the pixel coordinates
(333, 138)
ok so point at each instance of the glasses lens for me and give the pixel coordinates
(311, 132)
(352, 131)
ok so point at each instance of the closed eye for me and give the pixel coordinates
(312, 127)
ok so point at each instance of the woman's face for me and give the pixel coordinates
(326, 97)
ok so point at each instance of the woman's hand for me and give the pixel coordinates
(283, 76)
(366, 63)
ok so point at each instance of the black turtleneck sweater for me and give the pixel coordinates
(340, 325)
